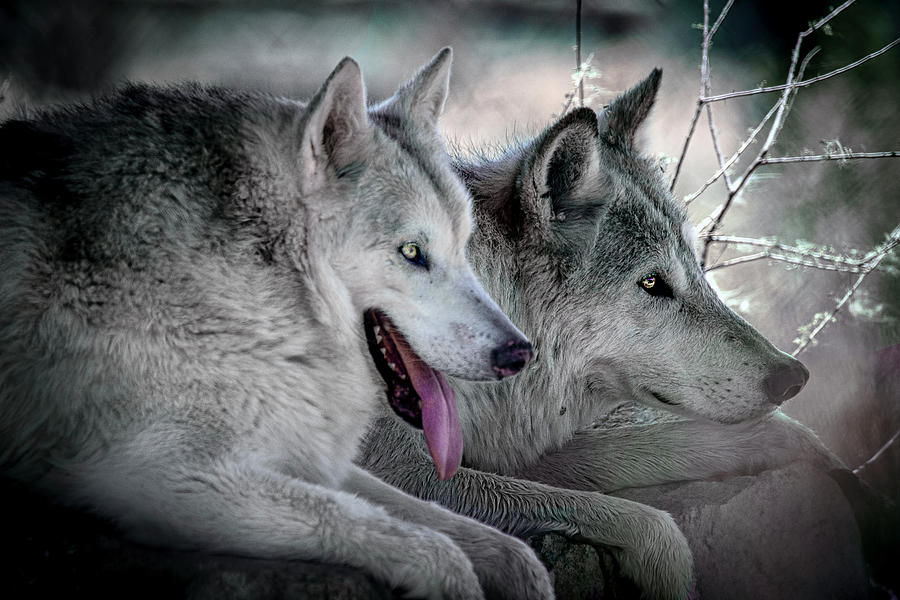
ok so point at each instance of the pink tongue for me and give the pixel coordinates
(440, 421)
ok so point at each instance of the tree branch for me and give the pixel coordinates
(799, 84)
(878, 454)
(746, 144)
(771, 160)
(704, 80)
(578, 52)
(714, 220)
(873, 263)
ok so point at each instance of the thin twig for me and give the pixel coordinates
(799, 84)
(714, 220)
(715, 141)
(734, 239)
(793, 255)
(746, 144)
(719, 20)
(687, 141)
(704, 80)
(892, 241)
(878, 454)
(771, 160)
(578, 51)
(705, 83)
(770, 255)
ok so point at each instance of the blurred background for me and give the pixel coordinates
(513, 68)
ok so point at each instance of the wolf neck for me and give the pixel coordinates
(536, 407)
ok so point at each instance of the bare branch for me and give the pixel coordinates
(704, 80)
(893, 240)
(715, 141)
(578, 52)
(714, 220)
(705, 83)
(771, 160)
(857, 262)
(792, 255)
(746, 144)
(878, 454)
(687, 141)
(803, 262)
(719, 20)
(799, 84)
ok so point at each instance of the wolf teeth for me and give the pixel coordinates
(393, 366)
(383, 351)
(377, 330)
(378, 338)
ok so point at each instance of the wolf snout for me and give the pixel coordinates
(511, 357)
(786, 380)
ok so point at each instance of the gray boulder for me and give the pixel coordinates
(785, 534)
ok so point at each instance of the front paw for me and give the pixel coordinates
(660, 561)
(520, 576)
(651, 551)
(507, 568)
(432, 567)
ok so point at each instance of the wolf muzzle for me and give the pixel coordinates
(511, 357)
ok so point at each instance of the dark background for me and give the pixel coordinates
(512, 69)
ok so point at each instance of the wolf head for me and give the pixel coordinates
(400, 248)
(605, 278)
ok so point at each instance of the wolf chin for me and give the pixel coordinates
(204, 291)
(580, 242)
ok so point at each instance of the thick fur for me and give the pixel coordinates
(568, 226)
(184, 274)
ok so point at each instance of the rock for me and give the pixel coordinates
(54, 552)
(783, 534)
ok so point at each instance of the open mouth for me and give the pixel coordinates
(418, 393)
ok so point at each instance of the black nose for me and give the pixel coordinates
(511, 357)
(785, 380)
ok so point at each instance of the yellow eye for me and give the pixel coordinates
(410, 251)
(648, 282)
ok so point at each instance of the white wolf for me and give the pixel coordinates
(580, 242)
(183, 346)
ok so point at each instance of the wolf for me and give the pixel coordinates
(580, 242)
(203, 293)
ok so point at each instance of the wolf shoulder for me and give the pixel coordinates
(127, 245)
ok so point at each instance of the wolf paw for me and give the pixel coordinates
(435, 568)
(516, 573)
(660, 561)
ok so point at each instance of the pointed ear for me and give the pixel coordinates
(620, 120)
(422, 98)
(335, 129)
(560, 183)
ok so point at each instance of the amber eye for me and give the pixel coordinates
(654, 285)
(412, 253)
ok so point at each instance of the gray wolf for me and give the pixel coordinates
(580, 242)
(193, 281)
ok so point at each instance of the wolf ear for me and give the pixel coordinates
(619, 122)
(422, 98)
(336, 129)
(560, 183)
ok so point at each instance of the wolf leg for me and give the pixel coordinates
(635, 456)
(248, 509)
(651, 549)
(506, 566)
